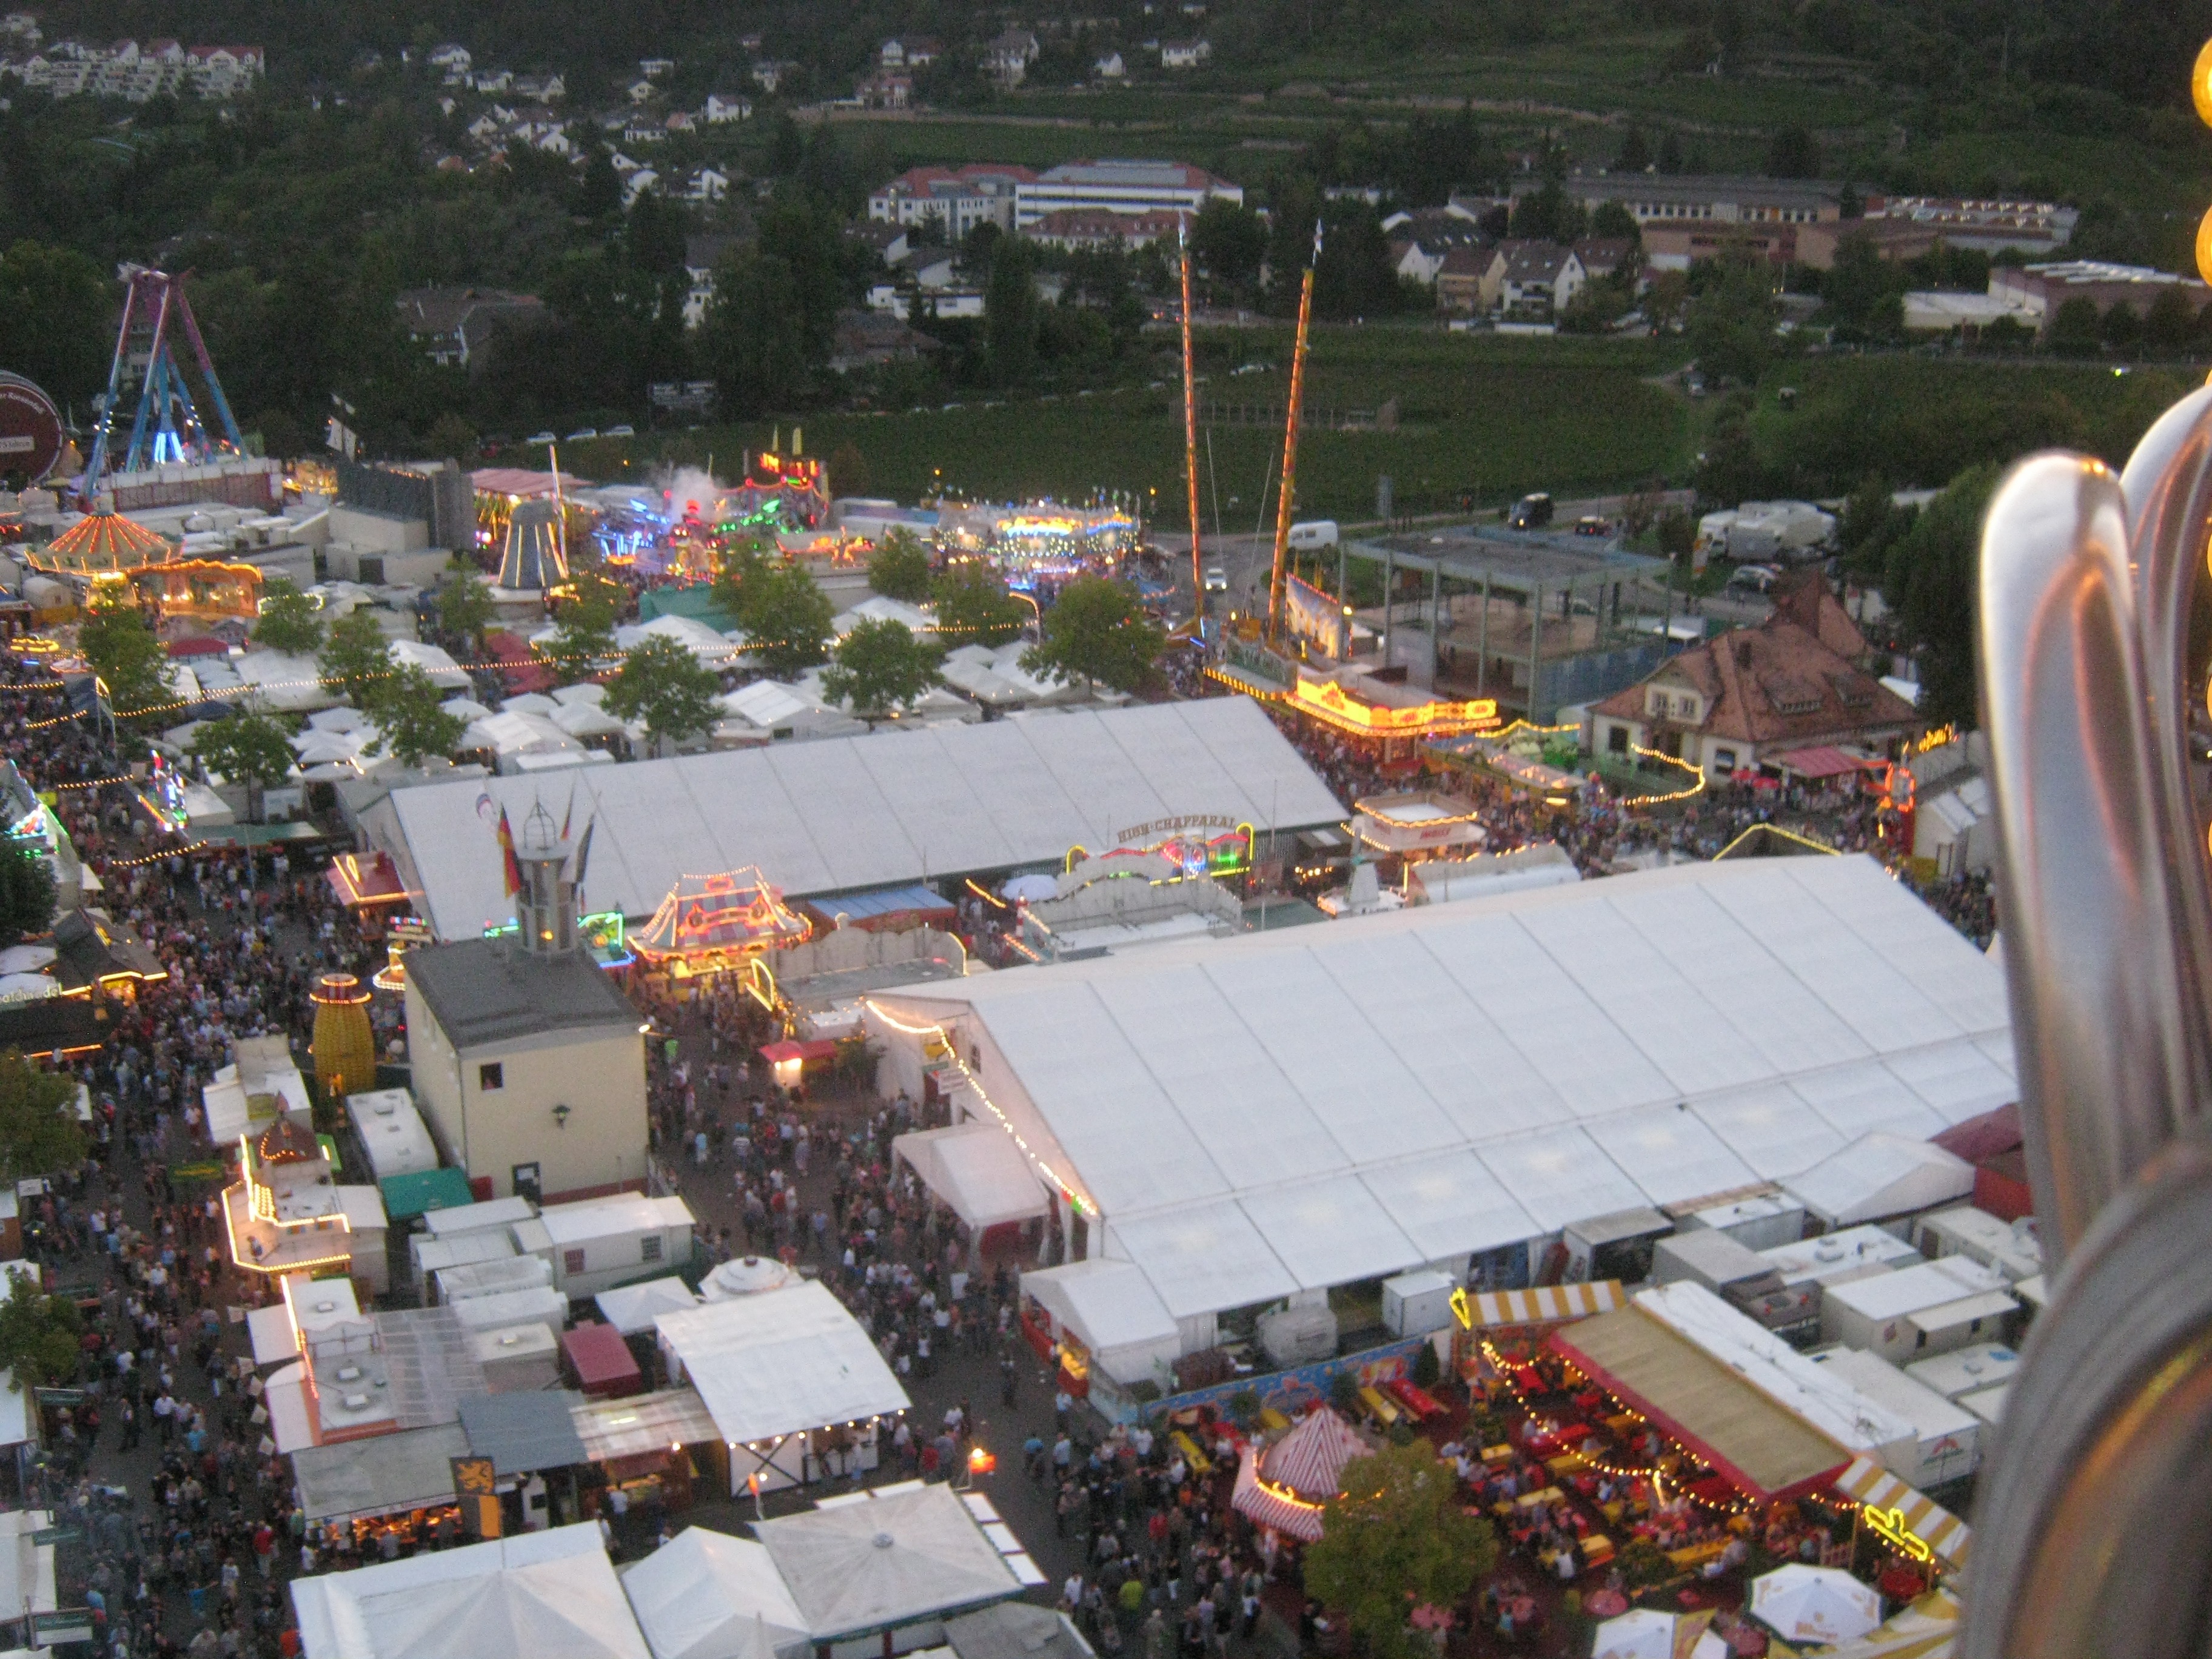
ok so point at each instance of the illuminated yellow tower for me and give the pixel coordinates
(344, 1048)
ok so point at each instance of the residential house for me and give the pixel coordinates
(495, 81)
(1007, 56)
(451, 324)
(768, 74)
(884, 89)
(1688, 217)
(454, 59)
(222, 71)
(1605, 256)
(555, 142)
(1463, 284)
(724, 107)
(1184, 54)
(541, 88)
(869, 340)
(655, 69)
(1745, 700)
(1418, 241)
(888, 241)
(702, 256)
(637, 184)
(681, 120)
(644, 128)
(1102, 228)
(1109, 68)
(642, 91)
(707, 184)
(907, 52)
(1539, 277)
(959, 197)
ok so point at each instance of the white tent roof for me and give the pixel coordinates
(844, 813)
(895, 1559)
(977, 1170)
(549, 1594)
(1296, 1109)
(780, 1362)
(1881, 1175)
(694, 635)
(1111, 1304)
(633, 1308)
(26, 1570)
(706, 1595)
(432, 660)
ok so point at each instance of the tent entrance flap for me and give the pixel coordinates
(976, 1171)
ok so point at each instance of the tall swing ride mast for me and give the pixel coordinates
(1190, 425)
(1289, 490)
(166, 426)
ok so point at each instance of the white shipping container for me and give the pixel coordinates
(600, 1242)
(1416, 1303)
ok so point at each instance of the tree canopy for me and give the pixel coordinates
(975, 608)
(465, 609)
(787, 619)
(899, 569)
(124, 653)
(583, 633)
(26, 894)
(1395, 1538)
(1096, 632)
(881, 668)
(289, 620)
(356, 660)
(412, 726)
(38, 1130)
(1929, 579)
(664, 684)
(245, 747)
(41, 1336)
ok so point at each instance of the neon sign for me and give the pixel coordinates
(1462, 1309)
(1889, 1524)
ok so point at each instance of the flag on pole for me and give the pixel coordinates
(512, 866)
(568, 817)
(584, 850)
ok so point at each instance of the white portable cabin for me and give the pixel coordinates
(540, 1305)
(1757, 1222)
(1417, 1304)
(392, 1133)
(2010, 1247)
(1948, 1446)
(1878, 1314)
(1950, 1326)
(513, 1272)
(431, 1256)
(1988, 1404)
(519, 1358)
(600, 1242)
(475, 1218)
(1966, 1371)
(1838, 1258)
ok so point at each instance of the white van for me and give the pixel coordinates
(1312, 534)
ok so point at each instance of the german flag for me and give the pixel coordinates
(513, 865)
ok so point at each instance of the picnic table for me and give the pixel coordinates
(1385, 1413)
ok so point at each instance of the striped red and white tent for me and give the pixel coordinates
(1285, 1486)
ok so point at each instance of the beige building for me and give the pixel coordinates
(528, 1059)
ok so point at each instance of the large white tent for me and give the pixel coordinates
(704, 1594)
(844, 813)
(1246, 1118)
(775, 1368)
(976, 1169)
(899, 1559)
(1878, 1176)
(551, 1595)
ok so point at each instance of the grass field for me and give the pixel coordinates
(1500, 416)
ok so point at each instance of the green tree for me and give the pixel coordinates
(2170, 323)
(1009, 312)
(739, 564)
(356, 660)
(1096, 632)
(2122, 328)
(1929, 579)
(41, 1336)
(26, 894)
(662, 684)
(412, 726)
(1228, 242)
(2074, 328)
(465, 611)
(39, 1131)
(1793, 153)
(881, 669)
(1731, 324)
(975, 608)
(123, 653)
(899, 569)
(1393, 1538)
(1614, 222)
(290, 621)
(55, 313)
(786, 620)
(245, 747)
(583, 633)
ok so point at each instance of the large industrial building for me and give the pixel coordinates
(1273, 1117)
(846, 815)
(1118, 187)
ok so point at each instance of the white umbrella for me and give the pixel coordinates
(1639, 1633)
(1028, 888)
(1814, 1604)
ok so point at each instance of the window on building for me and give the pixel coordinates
(648, 1249)
(1723, 760)
(572, 1262)
(491, 1077)
(1616, 740)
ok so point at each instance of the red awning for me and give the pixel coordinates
(601, 1361)
(777, 1053)
(1822, 762)
(197, 645)
(365, 880)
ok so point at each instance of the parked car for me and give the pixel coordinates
(1217, 579)
(1590, 524)
(1753, 579)
(581, 434)
(619, 432)
(542, 438)
(1530, 512)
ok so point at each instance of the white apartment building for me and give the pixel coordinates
(963, 198)
(1118, 187)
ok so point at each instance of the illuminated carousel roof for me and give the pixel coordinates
(736, 910)
(100, 542)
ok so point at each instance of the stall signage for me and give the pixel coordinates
(195, 1171)
(1462, 1309)
(68, 1625)
(1159, 828)
(1331, 702)
(475, 1483)
(1890, 1524)
(57, 1535)
(61, 1396)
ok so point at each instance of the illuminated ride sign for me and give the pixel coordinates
(1180, 841)
(1327, 702)
(1889, 1525)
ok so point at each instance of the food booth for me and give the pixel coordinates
(1097, 1317)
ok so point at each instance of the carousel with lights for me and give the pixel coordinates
(710, 925)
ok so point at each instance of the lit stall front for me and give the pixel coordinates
(1039, 543)
(659, 1447)
(797, 1389)
(718, 924)
(286, 1214)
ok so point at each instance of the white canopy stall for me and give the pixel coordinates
(1880, 1176)
(977, 1171)
(704, 1594)
(1117, 1321)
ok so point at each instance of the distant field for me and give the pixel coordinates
(1499, 416)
